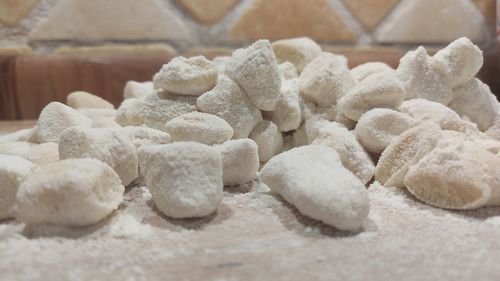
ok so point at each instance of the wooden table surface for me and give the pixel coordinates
(11, 126)
(254, 235)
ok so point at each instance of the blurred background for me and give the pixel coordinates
(49, 48)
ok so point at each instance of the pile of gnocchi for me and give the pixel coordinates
(286, 113)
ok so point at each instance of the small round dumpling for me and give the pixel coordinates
(325, 79)
(457, 174)
(199, 127)
(107, 145)
(364, 70)
(475, 100)
(13, 170)
(424, 77)
(73, 192)
(287, 114)
(424, 110)
(299, 51)
(379, 90)
(54, 119)
(463, 60)
(81, 99)
(354, 157)
(240, 161)
(404, 151)
(187, 76)
(184, 178)
(229, 102)
(39, 154)
(377, 127)
(268, 138)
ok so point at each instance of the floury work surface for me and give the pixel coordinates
(256, 236)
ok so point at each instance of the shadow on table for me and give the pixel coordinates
(293, 220)
(39, 231)
(475, 214)
(160, 220)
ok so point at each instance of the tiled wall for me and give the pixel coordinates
(44, 25)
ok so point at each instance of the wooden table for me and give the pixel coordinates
(11, 126)
(254, 235)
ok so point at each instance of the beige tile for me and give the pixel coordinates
(111, 20)
(370, 12)
(207, 11)
(13, 11)
(432, 21)
(279, 19)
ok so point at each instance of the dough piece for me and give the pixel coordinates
(184, 178)
(457, 174)
(378, 127)
(140, 135)
(104, 122)
(106, 145)
(404, 151)
(463, 60)
(228, 102)
(187, 76)
(353, 156)
(38, 154)
(72, 192)
(268, 138)
(424, 77)
(13, 170)
(299, 51)
(494, 131)
(199, 127)
(255, 70)
(21, 135)
(240, 161)
(287, 115)
(326, 79)
(423, 110)
(300, 136)
(475, 100)
(287, 71)
(312, 179)
(137, 90)
(98, 112)
(379, 90)
(154, 110)
(81, 99)
(364, 70)
(54, 119)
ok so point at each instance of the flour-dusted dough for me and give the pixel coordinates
(376, 128)
(106, 145)
(228, 101)
(184, 178)
(312, 179)
(199, 127)
(326, 79)
(187, 76)
(268, 138)
(299, 51)
(54, 119)
(82, 99)
(13, 170)
(457, 174)
(240, 161)
(255, 70)
(72, 192)
(404, 151)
